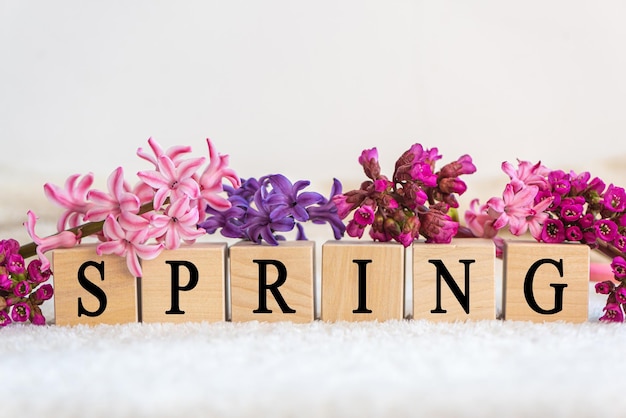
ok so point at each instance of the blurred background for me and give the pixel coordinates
(300, 88)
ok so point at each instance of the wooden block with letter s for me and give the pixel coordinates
(92, 289)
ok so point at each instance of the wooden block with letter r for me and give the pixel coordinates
(186, 284)
(454, 281)
(92, 289)
(362, 281)
(272, 283)
(546, 282)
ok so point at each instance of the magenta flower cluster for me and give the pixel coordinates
(138, 222)
(22, 288)
(261, 209)
(414, 202)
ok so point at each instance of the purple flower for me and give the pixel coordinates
(7, 248)
(35, 275)
(604, 288)
(437, 226)
(580, 181)
(44, 292)
(22, 289)
(613, 313)
(369, 161)
(620, 242)
(261, 225)
(20, 312)
(571, 212)
(354, 229)
(327, 212)
(230, 221)
(553, 231)
(614, 199)
(587, 221)
(606, 229)
(286, 199)
(618, 265)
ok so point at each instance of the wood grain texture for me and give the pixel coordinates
(477, 256)
(384, 281)
(297, 257)
(519, 258)
(204, 301)
(119, 286)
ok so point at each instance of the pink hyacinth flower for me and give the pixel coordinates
(65, 239)
(174, 153)
(179, 221)
(173, 180)
(527, 174)
(479, 221)
(129, 244)
(73, 198)
(117, 201)
(210, 181)
(513, 208)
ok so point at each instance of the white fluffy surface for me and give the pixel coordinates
(396, 368)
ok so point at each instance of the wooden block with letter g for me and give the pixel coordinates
(186, 284)
(92, 289)
(272, 283)
(362, 281)
(454, 281)
(546, 282)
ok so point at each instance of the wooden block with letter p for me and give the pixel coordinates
(187, 284)
(454, 281)
(272, 283)
(546, 282)
(362, 281)
(92, 289)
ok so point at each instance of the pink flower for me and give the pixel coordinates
(38, 319)
(606, 229)
(553, 231)
(537, 217)
(119, 200)
(354, 229)
(35, 274)
(364, 215)
(129, 244)
(613, 313)
(479, 221)
(369, 161)
(44, 292)
(615, 199)
(173, 180)
(620, 295)
(437, 226)
(5, 282)
(20, 312)
(179, 221)
(604, 288)
(527, 174)
(73, 198)
(343, 207)
(513, 208)
(5, 319)
(65, 239)
(22, 289)
(210, 181)
(618, 265)
(15, 264)
(174, 153)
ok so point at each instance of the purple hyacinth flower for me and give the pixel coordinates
(286, 199)
(260, 225)
(328, 212)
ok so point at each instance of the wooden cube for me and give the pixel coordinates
(362, 281)
(187, 284)
(546, 282)
(454, 281)
(272, 283)
(91, 289)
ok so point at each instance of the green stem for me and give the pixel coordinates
(90, 228)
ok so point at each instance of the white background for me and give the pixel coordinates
(301, 88)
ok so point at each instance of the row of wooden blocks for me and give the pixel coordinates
(359, 281)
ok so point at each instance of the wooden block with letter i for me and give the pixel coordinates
(92, 289)
(454, 281)
(186, 284)
(362, 281)
(546, 282)
(272, 283)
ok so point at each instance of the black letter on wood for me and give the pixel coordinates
(176, 287)
(442, 271)
(263, 286)
(558, 293)
(91, 288)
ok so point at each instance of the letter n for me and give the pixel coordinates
(443, 273)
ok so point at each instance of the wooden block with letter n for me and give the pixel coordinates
(272, 283)
(92, 289)
(362, 281)
(454, 281)
(546, 282)
(187, 284)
